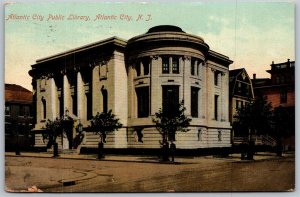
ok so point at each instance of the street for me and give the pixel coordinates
(189, 174)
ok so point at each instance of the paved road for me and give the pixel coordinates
(200, 174)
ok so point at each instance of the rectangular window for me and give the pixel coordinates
(175, 65)
(282, 79)
(24, 111)
(216, 75)
(7, 110)
(277, 80)
(236, 104)
(216, 107)
(192, 66)
(283, 96)
(21, 110)
(165, 65)
(143, 101)
(170, 99)
(194, 101)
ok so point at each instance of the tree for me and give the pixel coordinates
(53, 130)
(283, 123)
(102, 124)
(169, 123)
(254, 118)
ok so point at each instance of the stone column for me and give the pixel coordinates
(131, 91)
(96, 93)
(81, 106)
(210, 93)
(226, 96)
(203, 101)
(220, 77)
(53, 99)
(156, 89)
(187, 84)
(67, 93)
(196, 67)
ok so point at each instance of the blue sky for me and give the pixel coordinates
(251, 34)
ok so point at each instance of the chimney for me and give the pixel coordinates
(254, 76)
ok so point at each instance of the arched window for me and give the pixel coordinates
(105, 99)
(44, 112)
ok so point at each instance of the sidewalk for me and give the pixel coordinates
(147, 158)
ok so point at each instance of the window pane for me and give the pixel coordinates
(165, 65)
(26, 110)
(7, 110)
(283, 96)
(175, 66)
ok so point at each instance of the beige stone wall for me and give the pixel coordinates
(118, 77)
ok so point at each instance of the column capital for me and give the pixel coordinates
(77, 68)
(186, 57)
(155, 57)
(63, 71)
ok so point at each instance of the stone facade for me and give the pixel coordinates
(134, 79)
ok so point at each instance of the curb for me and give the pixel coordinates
(95, 159)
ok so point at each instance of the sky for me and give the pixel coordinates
(252, 34)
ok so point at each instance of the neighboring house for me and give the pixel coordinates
(279, 90)
(134, 79)
(18, 116)
(240, 91)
